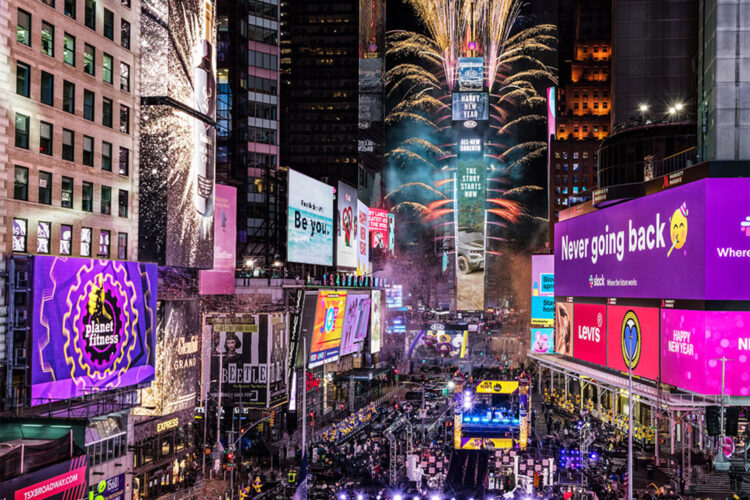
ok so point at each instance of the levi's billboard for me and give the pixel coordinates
(688, 242)
(590, 333)
(633, 340)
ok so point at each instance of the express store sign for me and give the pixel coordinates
(590, 333)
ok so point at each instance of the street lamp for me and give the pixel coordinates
(643, 107)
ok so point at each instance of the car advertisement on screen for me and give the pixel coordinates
(543, 340)
(470, 74)
(61, 481)
(363, 240)
(356, 322)
(633, 340)
(220, 279)
(346, 238)
(309, 221)
(94, 324)
(543, 290)
(590, 333)
(564, 328)
(329, 321)
(376, 325)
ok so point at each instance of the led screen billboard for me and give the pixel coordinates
(363, 249)
(376, 323)
(564, 328)
(687, 242)
(470, 74)
(470, 106)
(220, 279)
(394, 296)
(346, 237)
(543, 290)
(590, 333)
(633, 340)
(379, 228)
(93, 326)
(693, 343)
(62, 481)
(326, 332)
(440, 343)
(543, 340)
(309, 221)
(356, 321)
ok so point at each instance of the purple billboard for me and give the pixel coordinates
(93, 326)
(684, 243)
(355, 322)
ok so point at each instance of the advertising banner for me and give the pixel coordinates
(376, 328)
(564, 328)
(497, 387)
(590, 333)
(543, 340)
(363, 240)
(633, 340)
(346, 239)
(392, 232)
(61, 481)
(394, 296)
(356, 321)
(379, 228)
(220, 279)
(441, 343)
(309, 221)
(470, 74)
(326, 333)
(471, 106)
(693, 343)
(109, 489)
(543, 290)
(278, 353)
(93, 326)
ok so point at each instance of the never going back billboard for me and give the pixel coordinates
(93, 326)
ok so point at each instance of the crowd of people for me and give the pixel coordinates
(351, 424)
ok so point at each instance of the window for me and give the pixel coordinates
(19, 235)
(69, 49)
(68, 145)
(123, 203)
(66, 201)
(43, 232)
(45, 188)
(125, 3)
(70, 8)
(23, 27)
(48, 89)
(107, 68)
(106, 207)
(124, 168)
(125, 34)
(51, 3)
(23, 76)
(109, 24)
(88, 151)
(576, 166)
(22, 131)
(69, 97)
(104, 243)
(66, 239)
(89, 14)
(88, 105)
(87, 197)
(575, 189)
(107, 156)
(122, 246)
(124, 77)
(107, 112)
(45, 138)
(124, 119)
(48, 39)
(86, 242)
(21, 184)
(89, 59)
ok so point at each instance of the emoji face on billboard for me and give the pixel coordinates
(630, 336)
(678, 227)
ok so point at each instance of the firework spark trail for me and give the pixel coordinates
(443, 182)
(436, 214)
(438, 203)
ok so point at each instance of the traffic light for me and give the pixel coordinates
(713, 427)
(733, 416)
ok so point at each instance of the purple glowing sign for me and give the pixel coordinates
(93, 326)
(684, 243)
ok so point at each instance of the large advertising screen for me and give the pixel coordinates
(329, 321)
(543, 290)
(543, 340)
(220, 279)
(470, 74)
(379, 228)
(693, 343)
(309, 221)
(633, 340)
(471, 106)
(93, 326)
(590, 333)
(346, 238)
(376, 324)
(356, 321)
(687, 242)
(363, 249)
(67, 479)
(564, 328)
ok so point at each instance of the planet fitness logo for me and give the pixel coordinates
(630, 336)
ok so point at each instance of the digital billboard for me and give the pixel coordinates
(346, 237)
(693, 343)
(62, 481)
(564, 328)
(376, 324)
(543, 290)
(471, 106)
(220, 279)
(356, 321)
(633, 340)
(394, 296)
(309, 221)
(326, 333)
(590, 333)
(392, 232)
(379, 228)
(687, 242)
(543, 340)
(93, 326)
(470, 74)
(363, 240)
(442, 343)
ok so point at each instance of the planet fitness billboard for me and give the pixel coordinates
(93, 326)
(633, 340)
(688, 242)
(692, 343)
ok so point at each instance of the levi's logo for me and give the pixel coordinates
(591, 333)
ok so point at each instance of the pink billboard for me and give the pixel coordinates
(220, 279)
(590, 333)
(693, 343)
(379, 228)
(633, 340)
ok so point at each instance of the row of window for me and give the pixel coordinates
(108, 449)
(70, 8)
(161, 446)
(574, 178)
(585, 105)
(576, 154)
(262, 60)
(44, 237)
(575, 189)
